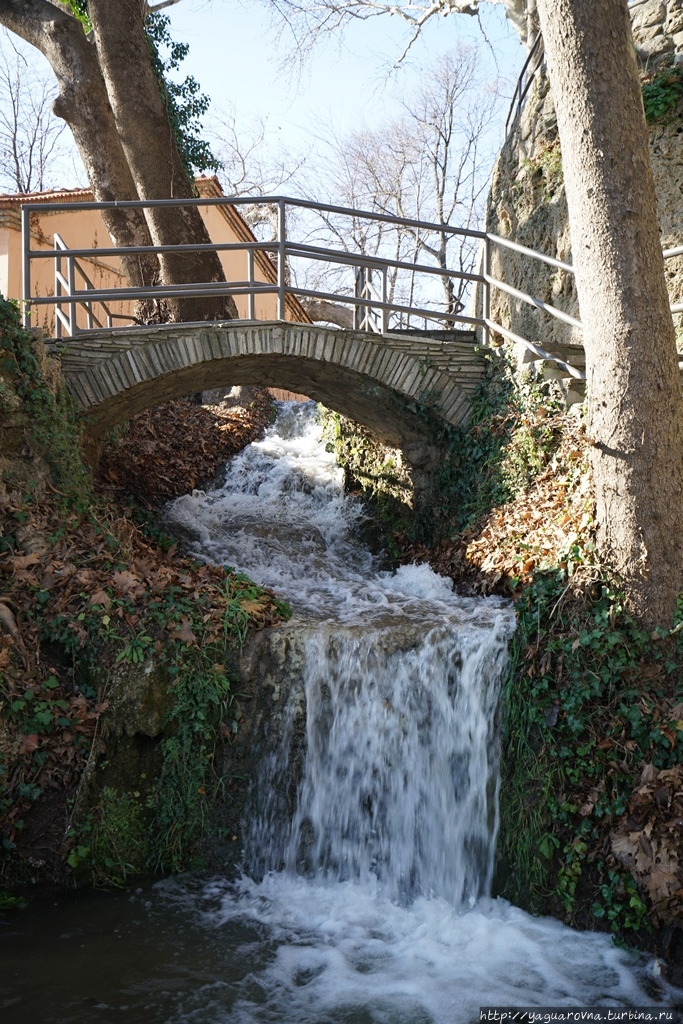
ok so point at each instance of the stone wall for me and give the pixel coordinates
(658, 30)
(527, 200)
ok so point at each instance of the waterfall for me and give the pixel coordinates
(403, 740)
(400, 681)
(370, 834)
(371, 825)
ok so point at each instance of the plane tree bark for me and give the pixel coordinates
(152, 155)
(83, 103)
(635, 404)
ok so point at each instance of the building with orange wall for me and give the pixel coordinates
(84, 229)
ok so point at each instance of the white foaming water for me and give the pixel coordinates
(346, 954)
(373, 901)
(282, 517)
(400, 778)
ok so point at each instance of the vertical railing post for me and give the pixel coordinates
(73, 311)
(357, 294)
(58, 292)
(26, 265)
(385, 299)
(281, 264)
(486, 296)
(251, 311)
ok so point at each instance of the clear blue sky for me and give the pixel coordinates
(237, 51)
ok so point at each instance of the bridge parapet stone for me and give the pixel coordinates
(112, 374)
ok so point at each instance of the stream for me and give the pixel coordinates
(368, 902)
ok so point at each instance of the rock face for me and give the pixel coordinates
(395, 484)
(658, 30)
(527, 201)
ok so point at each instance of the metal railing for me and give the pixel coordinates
(373, 309)
(66, 286)
(283, 250)
(531, 65)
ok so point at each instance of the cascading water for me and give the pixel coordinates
(400, 682)
(365, 897)
(400, 773)
(374, 890)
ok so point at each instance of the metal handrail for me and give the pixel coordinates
(524, 82)
(143, 204)
(372, 309)
(69, 323)
(282, 249)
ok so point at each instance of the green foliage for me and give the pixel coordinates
(51, 423)
(549, 162)
(112, 843)
(662, 93)
(621, 905)
(80, 9)
(583, 708)
(185, 104)
(497, 455)
(39, 708)
(188, 785)
(204, 713)
(8, 901)
(120, 840)
(136, 650)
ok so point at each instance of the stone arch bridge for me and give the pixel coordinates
(382, 381)
(375, 368)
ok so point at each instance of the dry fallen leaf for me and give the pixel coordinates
(184, 632)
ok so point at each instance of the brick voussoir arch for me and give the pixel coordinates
(376, 380)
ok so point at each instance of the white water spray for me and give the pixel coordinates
(370, 847)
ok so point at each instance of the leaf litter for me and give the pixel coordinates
(63, 574)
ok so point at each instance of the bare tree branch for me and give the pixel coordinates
(29, 133)
(315, 18)
(322, 311)
(431, 164)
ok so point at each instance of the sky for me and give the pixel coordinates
(238, 54)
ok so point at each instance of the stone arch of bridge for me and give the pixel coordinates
(378, 381)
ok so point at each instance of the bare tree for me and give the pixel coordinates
(430, 164)
(253, 164)
(30, 135)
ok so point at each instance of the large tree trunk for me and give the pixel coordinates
(152, 155)
(635, 407)
(84, 105)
